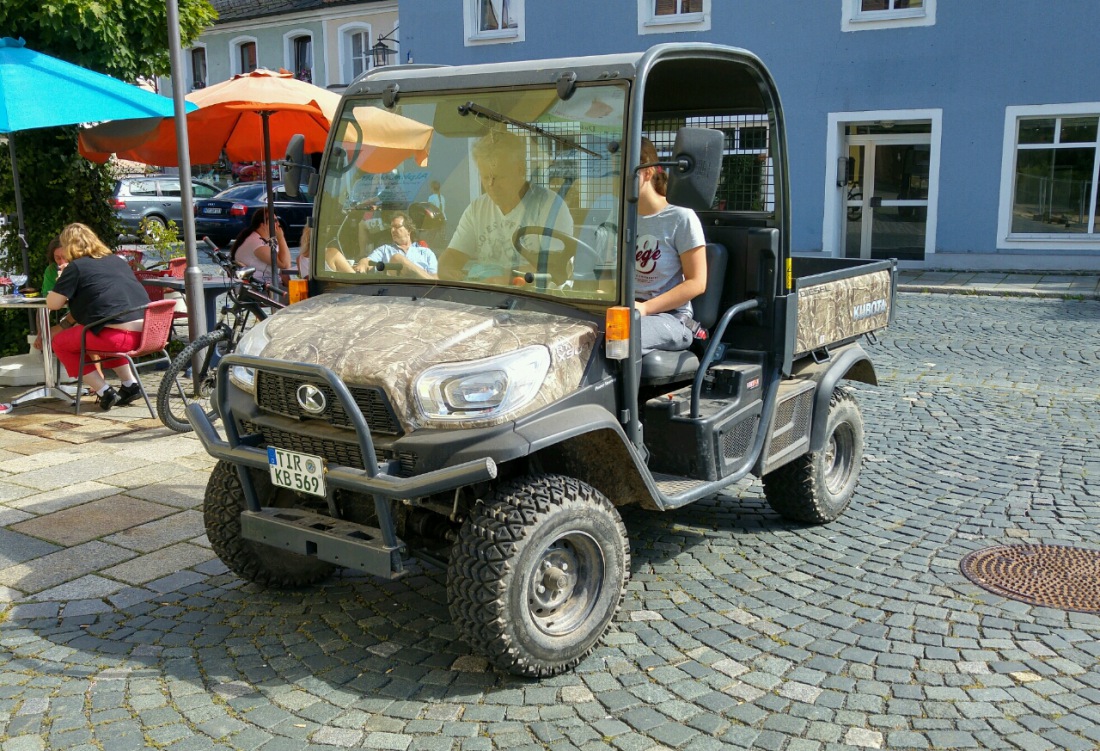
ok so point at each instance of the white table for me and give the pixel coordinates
(50, 388)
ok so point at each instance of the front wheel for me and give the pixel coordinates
(181, 385)
(816, 487)
(537, 573)
(253, 561)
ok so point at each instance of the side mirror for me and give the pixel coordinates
(696, 167)
(295, 154)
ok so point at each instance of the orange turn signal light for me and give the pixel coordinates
(617, 332)
(297, 290)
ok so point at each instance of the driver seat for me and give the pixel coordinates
(660, 367)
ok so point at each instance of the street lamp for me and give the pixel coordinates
(381, 51)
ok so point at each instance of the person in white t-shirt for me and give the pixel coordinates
(252, 250)
(670, 262)
(481, 248)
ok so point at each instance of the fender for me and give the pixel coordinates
(854, 363)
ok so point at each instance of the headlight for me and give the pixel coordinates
(483, 388)
(252, 343)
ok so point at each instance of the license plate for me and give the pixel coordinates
(302, 472)
(211, 211)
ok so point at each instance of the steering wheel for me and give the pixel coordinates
(570, 246)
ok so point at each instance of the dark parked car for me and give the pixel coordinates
(222, 217)
(153, 197)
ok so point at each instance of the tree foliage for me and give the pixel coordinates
(126, 39)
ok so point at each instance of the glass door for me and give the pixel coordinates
(886, 210)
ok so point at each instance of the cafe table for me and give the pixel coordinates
(50, 389)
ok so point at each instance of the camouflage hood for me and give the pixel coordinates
(387, 342)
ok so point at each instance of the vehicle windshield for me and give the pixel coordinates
(516, 189)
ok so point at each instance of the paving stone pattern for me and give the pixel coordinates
(739, 630)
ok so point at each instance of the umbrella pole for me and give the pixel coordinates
(21, 228)
(193, 291)
(272, 236)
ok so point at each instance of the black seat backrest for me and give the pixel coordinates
(707, 307)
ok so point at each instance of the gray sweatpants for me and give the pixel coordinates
(664, 331)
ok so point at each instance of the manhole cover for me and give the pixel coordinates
(1054, 576)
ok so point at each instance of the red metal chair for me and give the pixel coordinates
(177, 267)
(154, 341)
(157, 293)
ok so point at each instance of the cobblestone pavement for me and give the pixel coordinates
(739, 630)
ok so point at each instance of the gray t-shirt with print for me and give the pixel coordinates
(662, 237)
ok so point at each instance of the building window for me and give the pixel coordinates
(244, 55)
(668, 16)
(198, 68)
(355, 44)
(862, 15)
(1052, 183)
(491, 21)
(495, 15)
(303, 58)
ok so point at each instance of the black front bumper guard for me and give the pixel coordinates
(376, 551)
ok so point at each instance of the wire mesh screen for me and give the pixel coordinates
(584, 177)
(747, 182)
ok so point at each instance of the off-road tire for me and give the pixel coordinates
(550, 523)
(253, 561)
(816, 487)
(170, 405)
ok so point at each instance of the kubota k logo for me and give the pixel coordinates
(311, 399)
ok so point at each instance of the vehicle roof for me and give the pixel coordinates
(683, 79)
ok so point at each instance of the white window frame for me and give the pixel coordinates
(836, 196)
(235, 45)
(1006, 240)
(288, 52)
(474, 37)
(191, 66)
(650, 23)
(343, 46)
(855, 19)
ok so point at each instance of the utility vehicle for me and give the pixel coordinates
(495, 425)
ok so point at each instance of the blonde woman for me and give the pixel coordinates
(97, 284)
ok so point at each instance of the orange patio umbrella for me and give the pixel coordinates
(230, 118)
(377, 141)
(253, 114)
(246, 117)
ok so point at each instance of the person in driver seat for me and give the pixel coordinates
(481, 248)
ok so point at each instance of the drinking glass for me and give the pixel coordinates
(17, 281)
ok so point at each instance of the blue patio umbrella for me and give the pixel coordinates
(39, 91)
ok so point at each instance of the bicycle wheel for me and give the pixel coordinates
(181, 387)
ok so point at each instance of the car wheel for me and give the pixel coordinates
(253, 561)
(815, 488)
(537, 573)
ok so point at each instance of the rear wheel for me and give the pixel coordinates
(153, 224)
(817, 487)
(253, 561)
(181, 386)
(537, 574)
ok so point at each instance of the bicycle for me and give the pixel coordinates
(245, 300)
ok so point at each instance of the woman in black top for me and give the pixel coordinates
(95, 285)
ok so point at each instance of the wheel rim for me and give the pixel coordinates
(838, 458)
(565, 583)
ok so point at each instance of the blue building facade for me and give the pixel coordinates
(948, 134)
